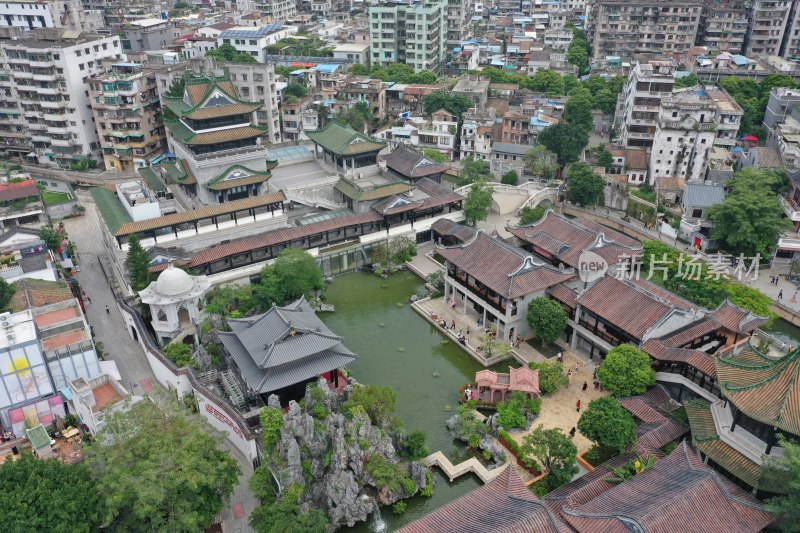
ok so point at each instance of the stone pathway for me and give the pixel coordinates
(453, 471)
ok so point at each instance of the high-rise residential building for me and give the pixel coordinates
(791, 36)
(723, 26)
(127, 115)
(648, 83)
(624, 28)
(407, 32)
(46, 114)
(28, 15)
(277, 10)
(459, 29)
(768, 22)
(690, 123)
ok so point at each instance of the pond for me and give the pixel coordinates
(363, 302)
(784, 331)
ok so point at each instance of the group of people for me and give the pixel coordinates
(469, 394)
(462, 339)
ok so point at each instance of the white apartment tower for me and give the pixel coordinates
(647, 85)
(409, 32)
(277, 10)
(769, 19)
(45, 96)
(28, 15)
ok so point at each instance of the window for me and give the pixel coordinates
(244, 77)
(697, 213)
(78, 53)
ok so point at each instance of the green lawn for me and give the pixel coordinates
(53, 197)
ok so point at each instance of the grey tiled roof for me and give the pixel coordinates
(703, 194)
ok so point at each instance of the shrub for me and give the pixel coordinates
(428, 490)
(409, 487)
(436, 278)
(512, 412)
(387, 475)
(307, 466)
(180, 354)
(551, 376)
(414, 445)
(319, 411)
(399, 507)
(271, 419)
(363, 444)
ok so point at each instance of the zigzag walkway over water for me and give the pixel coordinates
(470, 465)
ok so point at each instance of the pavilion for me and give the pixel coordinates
(497, 386)
(281, 350)
(348, 150)
(412, 165)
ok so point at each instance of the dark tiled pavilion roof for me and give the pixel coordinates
(678, 493)
(445, 226)
(503, 505)
(284, 346)
(656, 427)
(707, 440)
(765, 388)
(503, 268)
(412, 164)
(566, 239)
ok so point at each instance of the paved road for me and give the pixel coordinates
(109, 328)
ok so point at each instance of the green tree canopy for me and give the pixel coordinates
(456, 104)
(228, 52)
(583, 185)
(357, 117)
(7, 291)
(686, 81)
(510, 178)
(377, 401)
(52, 237)
(532, 214)
(605, 101)
(286, 515)
(473, 170)
(578, 110)
(578, 52)
(271, 419)
(434, 155)
(293, 274)
(787, 469)
(608, 424)
(138, 263)
(180, 354)
(296, 89)
(547, 319)
(540, 161)
(551, 376)
(565, 140)
(47, 495)
(626, 371)
(478, 202)
(554, 452)
(158, 468)
(604, 158)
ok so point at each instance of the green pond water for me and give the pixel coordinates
(784, 331)
(362, 305)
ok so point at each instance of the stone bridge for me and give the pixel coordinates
(511, 198)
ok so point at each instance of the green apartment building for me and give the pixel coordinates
(409, 32)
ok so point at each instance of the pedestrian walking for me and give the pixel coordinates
(780, 294)
(577, 367)
(453, 325)
(108, 311)
(585, 385)
(572, 432)
(560, 357)
(569, 374)
(578, 405)
(89, 299)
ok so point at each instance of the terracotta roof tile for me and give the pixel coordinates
(203, 212)
(17, 190)
(564, 294)
(503, 268)
(223, 111)
(737, 319)
(33, 293)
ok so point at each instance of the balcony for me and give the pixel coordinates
(460, 280)
(791, 209)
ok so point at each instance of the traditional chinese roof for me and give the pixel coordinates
(220, 136)
(670, 347)
(395, 204)
(199, 214)
(503, 268)
(284, 346)
(445, 226)
(656, 428)
(565, 239)
(737, 319)
(633, 306)
(347, 188)
(518, 379)
(765, 388)
(344, 140)
(503, 505)
(677, 493)
(412, 164)
(564, 294)
(237, 176)
(707, 440)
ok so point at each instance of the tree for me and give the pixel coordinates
(293, 274)
(787, 469)
(608, 424)
(377, 401)
(271, 419)
(414, 445)
(554, 452)
(748, 222)
(434, 155)
(138, 263)
(509, 178)
(576, 55)
(456, 104)
(532, 214)
(686, 81)
(180, 354)
(604, 158)
(47, 495)
(177, 88)
(578, 110)
(228, 52)
(626, 371)
(357, 117)
(478, 202)
(360, 70)
(296, 89)
(583, 185)
(551, 376)
(158, 468)
(52, 237)
(7, 291)
(547, 319)
(539, 161)
(605, 101)
(286, 515)
(473, 170)
(567, 141)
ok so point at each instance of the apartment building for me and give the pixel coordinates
(127, 115)
(292, 123)
(46, 116)
(476, 132)
(361, 89)
(28, 15)
(624, 28)
(254, 41)
(690, 123)
(723, 26)
(791, 37)
(277, 10)
(459, 29)
(641, 97)
(782, 101)
(769, 19)
(410, 33)
(147, 34)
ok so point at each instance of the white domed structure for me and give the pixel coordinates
(175, 300)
